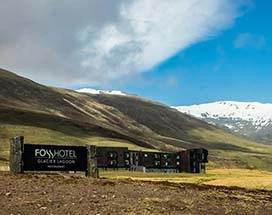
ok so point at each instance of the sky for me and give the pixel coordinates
(178, 52)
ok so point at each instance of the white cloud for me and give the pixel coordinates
(96, 41)
(244, 40)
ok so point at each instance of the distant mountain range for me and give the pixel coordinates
(251, 119)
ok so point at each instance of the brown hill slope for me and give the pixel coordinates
(160, 118)
(24, 102)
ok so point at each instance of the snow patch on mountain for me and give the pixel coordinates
(94, 91)
(258, 114)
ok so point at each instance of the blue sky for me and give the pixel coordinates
(178, 52)
(235, 65)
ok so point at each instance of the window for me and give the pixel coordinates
(113, 162)
(156, 156)
(157, 163)
(127, 155)
(112, 154)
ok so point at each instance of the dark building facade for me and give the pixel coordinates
(113, 157)
(191, 160)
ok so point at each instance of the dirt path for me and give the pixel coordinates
(70, 194)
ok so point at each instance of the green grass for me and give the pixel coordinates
(250, 158)
(234, 159)
(36, 135)
(231, 151)
(217, 138)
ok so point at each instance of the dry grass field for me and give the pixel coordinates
(243, 178)
(249, 179)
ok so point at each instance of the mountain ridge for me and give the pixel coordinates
(251, 119)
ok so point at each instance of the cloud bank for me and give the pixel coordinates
(93, 42)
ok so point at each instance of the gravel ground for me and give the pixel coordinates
(75, 194)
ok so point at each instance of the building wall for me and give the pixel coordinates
(191, 160)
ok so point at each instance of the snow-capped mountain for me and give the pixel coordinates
(252, 119)
(93, 91)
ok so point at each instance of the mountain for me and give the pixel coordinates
(60, 116)
(251, 119)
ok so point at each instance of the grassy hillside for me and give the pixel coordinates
(52, 115)
(38, 135)
(226, 149)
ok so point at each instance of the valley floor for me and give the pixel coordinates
(243, 178)
(75, 194)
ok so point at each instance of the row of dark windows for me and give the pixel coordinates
(123, 158)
